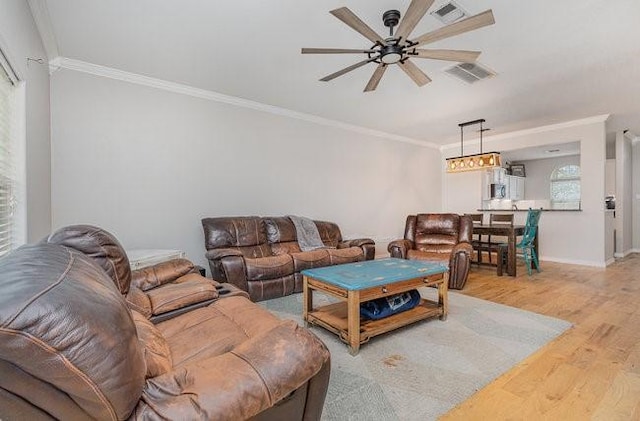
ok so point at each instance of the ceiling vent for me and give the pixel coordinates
(470, 72)
(449, 12)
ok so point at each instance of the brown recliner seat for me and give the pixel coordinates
(438, 237)
(160, 291)
(261, 255)
(71, 348)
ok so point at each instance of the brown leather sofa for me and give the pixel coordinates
(72, 348)
(438, 237)
(261, 255)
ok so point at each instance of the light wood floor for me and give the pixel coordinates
(592, 371)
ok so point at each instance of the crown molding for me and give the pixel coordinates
(40, 13)
(542, 129)
(111, 73)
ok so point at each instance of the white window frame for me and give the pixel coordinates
(18, 151)
(564, 204)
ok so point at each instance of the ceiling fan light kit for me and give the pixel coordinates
(398, 48)
(480, 161)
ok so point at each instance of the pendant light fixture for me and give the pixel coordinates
(480, 161)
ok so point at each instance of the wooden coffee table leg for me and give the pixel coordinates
(307, 300)
(353, 321)
(443, 296)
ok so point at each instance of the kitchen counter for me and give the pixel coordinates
(525, 210)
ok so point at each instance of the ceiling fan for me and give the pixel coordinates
(398, 48)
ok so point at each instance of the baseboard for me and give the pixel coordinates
(625, 253)
(574, 262)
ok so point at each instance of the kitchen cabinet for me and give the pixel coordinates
(515, 187)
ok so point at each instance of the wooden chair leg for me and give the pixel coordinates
(527, 259)
(535, 259)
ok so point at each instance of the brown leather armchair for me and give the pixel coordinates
(71, 348)
(261, 255)
(438, 237)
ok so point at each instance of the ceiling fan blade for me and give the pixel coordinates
(334, 51)
(469, 24)
(348, 17)
(375, 78)
(416, 11)
(346, 70)
(461, 56)
(414, 73)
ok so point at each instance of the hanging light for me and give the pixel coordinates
(480, 161)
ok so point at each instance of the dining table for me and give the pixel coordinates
(511, 232)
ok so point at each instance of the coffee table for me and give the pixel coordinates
(355, 283)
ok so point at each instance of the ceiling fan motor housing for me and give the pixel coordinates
(391, 18)
(391, 53)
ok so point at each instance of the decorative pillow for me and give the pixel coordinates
(386, 306)
(156, 350)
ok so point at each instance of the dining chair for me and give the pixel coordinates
(493, 242)
(526, 244)
(476, 239)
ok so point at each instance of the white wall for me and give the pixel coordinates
(565, 236)
(635, 171)
(624, 196)
(20, 40)
(148, 164)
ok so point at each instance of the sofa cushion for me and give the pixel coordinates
(310, 259)
(436, 229)
(436, 257)
(280, 229)
(156, 275)
(256, 375)
(346, 255)
(240, 231)
(156, 350)
(231, 319)
(268, 267)
(329, 233)
(285, 248)
(185, 291)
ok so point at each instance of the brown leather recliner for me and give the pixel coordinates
(438, 237)
(159, 292)
(71, 348)
(261, 255)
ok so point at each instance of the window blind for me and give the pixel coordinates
(7, 108)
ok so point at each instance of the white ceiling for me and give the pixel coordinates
(542, 152)
(556, 60)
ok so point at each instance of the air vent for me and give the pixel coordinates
(470, 72)
(449, 12)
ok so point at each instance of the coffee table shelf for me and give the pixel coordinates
(333, 317)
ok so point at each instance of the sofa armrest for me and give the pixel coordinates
(459, 264)
(399, 248)
(359, 242)
(216, 254)
(160, 274)
(367, 245)
(238, 384)
(139, 301)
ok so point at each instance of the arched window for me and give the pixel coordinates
(565, 187)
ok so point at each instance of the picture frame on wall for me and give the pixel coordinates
(518, 170)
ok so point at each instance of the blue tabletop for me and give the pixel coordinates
(372, 273)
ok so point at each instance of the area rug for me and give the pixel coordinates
(423, 370)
